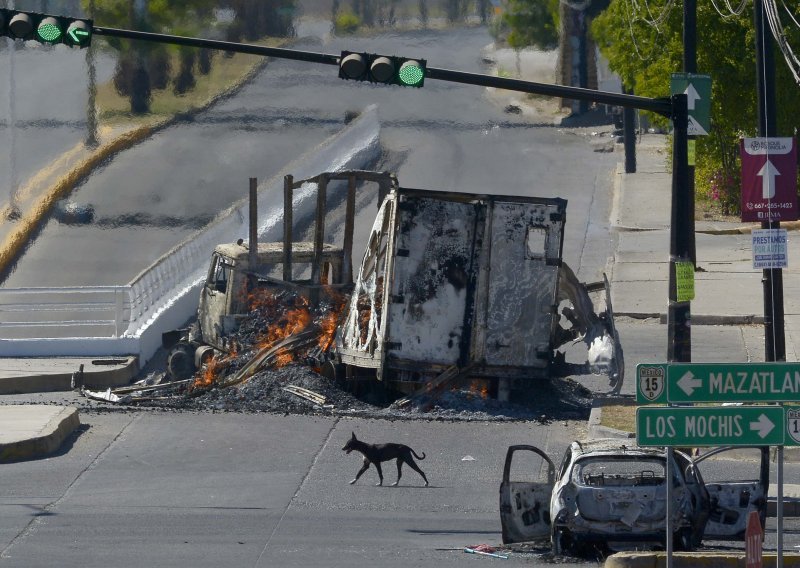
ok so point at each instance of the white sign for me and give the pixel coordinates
(770, 248)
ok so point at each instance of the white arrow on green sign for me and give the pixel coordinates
(700, 426)
(698, 92)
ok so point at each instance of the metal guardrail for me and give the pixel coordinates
(95, 311)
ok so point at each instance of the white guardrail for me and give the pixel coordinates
(129, 319)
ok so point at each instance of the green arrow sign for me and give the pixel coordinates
(698, 92)
(733, 382)
(710, 426)
(661, 383)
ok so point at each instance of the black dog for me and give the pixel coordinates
(377, 453)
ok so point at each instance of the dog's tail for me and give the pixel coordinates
(422, 457)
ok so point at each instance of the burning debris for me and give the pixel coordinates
(276, 367)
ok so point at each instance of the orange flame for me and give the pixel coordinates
(208, 375)
(480, 388)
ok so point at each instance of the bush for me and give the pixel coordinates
(346, 23)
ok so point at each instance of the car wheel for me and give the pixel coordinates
(180, 363)
(683, 540)
(560, 541)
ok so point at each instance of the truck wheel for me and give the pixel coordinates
(180, 362)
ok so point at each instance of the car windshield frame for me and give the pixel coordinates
(577, 472)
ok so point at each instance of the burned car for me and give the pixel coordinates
(610, 494)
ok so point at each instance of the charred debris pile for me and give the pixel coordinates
(276, 365)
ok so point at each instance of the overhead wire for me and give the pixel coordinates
(776, 27)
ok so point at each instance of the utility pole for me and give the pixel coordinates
(690, 66)
(774, 338)
(679, 345)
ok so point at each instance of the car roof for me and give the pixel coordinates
(613, 446)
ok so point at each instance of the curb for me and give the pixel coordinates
(596, 430)
(48, 439)
(692, 559)
(745, 319)
(99, 373)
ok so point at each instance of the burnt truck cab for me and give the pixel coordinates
(230, 286)
(459, 285)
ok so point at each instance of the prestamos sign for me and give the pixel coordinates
(769, 179)
(770, 248)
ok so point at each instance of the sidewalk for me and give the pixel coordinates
(727, 288)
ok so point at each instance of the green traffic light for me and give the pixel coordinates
(49, 30)
(411, 74)
(78, 33)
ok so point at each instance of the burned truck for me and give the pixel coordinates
(451, 287)
(456, 286)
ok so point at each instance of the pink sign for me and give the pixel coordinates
(769, 179)
(753, 536)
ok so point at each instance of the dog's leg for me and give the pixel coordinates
(413, 465)
(380, 473)
(361, 471)
(399, 471)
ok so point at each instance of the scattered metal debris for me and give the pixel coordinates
(308, 395)
(484, 550)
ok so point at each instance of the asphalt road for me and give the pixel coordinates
(184, 489)
(443, 136)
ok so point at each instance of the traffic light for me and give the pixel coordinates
(387, 69)
(45, 28)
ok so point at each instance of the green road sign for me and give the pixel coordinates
(717, 382)
(699, 426)
(698, 91)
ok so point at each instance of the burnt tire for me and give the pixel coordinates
(683, 540)
(180, 362)
(560, 541)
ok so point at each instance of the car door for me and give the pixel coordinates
(737, 480)
(525, 504)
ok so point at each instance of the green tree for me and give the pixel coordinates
(255, 19)
(645, 48)
(144, 66)
(532, 23)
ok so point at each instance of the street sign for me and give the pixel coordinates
(753, 537)
(733, 382)
(698, 92)
(699, 426)
(769, 179)
(770, 248)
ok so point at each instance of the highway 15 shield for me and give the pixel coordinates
(652, 379)
(793, 424)
(769, 179)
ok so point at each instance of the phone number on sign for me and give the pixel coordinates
(755, 206)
